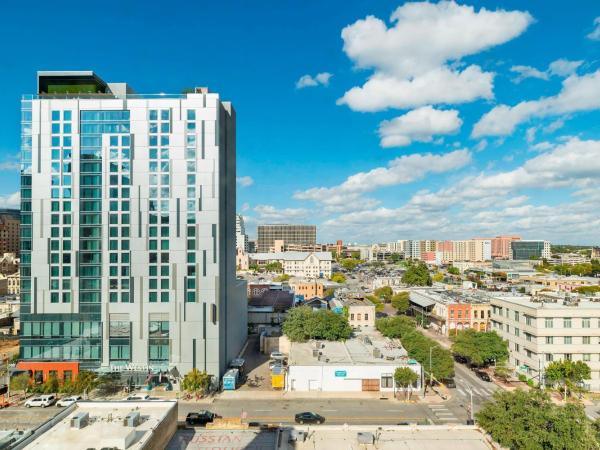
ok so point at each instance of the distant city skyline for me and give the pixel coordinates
(358, 123)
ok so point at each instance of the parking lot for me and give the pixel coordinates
(257, 367)
(22, 418)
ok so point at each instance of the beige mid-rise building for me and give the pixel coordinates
(541, 332)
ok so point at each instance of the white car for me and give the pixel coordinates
(137, 397)
(42, 400)
(68, 401)
(278, 355)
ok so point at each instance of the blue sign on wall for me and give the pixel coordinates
(340, 373)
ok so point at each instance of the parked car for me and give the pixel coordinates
(42, 400)
(200, 418)
(449, 382)
(483, 375)
(309, 417)
(138, 397)
(68, 401)
(278, 355)
(460, 359)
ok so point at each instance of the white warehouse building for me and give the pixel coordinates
(364, 363)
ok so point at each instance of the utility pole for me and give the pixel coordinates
(430, 371)
(470, 389)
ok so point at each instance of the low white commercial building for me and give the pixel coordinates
(539, 332)
(364, 363)
(107, 424)
(298, 264)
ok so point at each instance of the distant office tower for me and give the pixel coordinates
(413, 249)
(9, 232)
(128, 229)
(530, 250)
(289, 234)
(241, 238)
(501, 246)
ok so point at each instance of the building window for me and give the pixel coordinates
(387, 381)
(366, 316)
(568, 356)
(568, 340)
(587, 339)
(587, 357)
(567, 322)
(516, 316)
(549, 322)
(351, 316)
(549, 339)
(549, 357)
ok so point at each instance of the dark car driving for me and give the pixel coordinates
(309, 417)
(200, 418)
(482, 375)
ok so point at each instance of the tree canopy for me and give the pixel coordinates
(481, 348)
(453, 270)
(196, 381)
(350, 263)
(567, 374)
(338, 277)
(384, 293)
(418, 345)
(417, 275)
(529, 420)
(304, 323)
(401, 301)
(274, 266)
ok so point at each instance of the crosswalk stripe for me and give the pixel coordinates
(453, 419)
(436, 406)
(475, 391)
(461, 391)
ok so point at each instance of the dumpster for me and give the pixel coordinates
(230, 379)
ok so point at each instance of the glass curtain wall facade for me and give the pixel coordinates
(128, 228)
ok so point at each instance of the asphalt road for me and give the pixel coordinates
(335, 411)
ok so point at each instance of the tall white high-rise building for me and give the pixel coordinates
(241, 238)
(128, 225)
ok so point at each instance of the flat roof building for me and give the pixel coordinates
(523, 250)
(540, 330)
(289, 234)
(363, 363)
(107, 424)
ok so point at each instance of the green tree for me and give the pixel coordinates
(85, 382)
(338, 277)
(303, 323)
(438, 277)
(401, 301)
(417, 275)
(588, 290)
(453, 270)
(350, 263)
(376, 301)
(20, 383)
(481, 348)
(529, 420)
(274, 266)
(396, 257)
(282, 278)
(405, 378)
(568, 375)
(328, 292)
(51, 385)
(418, 346)
(196, 382)
(384, 293)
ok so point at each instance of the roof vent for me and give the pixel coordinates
(365, 438)
(80, 420)
(133, 419)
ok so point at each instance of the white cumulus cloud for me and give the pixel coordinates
(414, 60)
(418, 125)
(560, 68)
(578, 93)
(320, 79)
(10, 200)
(595, 34)
(402, 170)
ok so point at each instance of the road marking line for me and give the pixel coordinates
(393, 410)
(454, 419)
(329, 410)
(263, 410)
(476, 391)
(444, 413)
(461, 391)
(436, 406)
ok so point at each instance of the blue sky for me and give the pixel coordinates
(429, 120)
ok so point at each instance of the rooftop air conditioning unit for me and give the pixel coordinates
(376, 353)
(133, 419)
(297, 436)
(365, 438)
(315, 353)
(80, 420)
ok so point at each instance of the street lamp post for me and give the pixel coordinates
(430, 364)
(470, 390)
